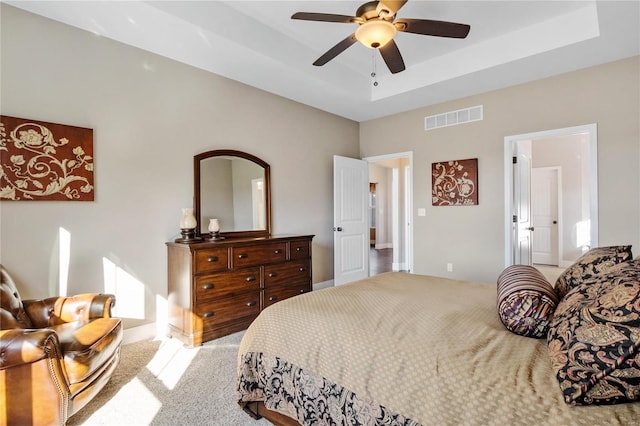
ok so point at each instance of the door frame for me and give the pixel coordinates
(509, 146)
(408, 217)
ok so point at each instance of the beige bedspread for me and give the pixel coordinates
(428, 348)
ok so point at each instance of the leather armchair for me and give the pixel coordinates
(55, 354)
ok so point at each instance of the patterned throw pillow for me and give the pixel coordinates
(594, 337)
(526, 301)
(596, 261)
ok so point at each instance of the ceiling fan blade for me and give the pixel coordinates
(432, 28)
(390, 6)
(323, 17)
(335, 50)
(392, 57)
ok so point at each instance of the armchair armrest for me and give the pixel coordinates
(33, 386)
(59, 310)
(20, 346)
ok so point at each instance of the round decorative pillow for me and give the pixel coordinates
(526, 301)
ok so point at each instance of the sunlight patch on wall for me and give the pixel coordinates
(129, 291)
(171, 361)
(162, 320)
(64, 256)
(583, 235)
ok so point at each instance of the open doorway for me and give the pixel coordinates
(390, 201)
(551, 215)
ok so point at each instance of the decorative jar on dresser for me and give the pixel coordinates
(218, 288)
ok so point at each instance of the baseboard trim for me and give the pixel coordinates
(399, 266)
(142, 332)
(323, 284)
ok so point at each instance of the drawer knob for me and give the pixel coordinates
(298, 248)
(250, 278)
(302, 290)
(207, 314)
(212, 259)
(250, 304)
(272, 274)
(243, 256)
(272, 298)
(302, 269)
(208, 286)
(277, 251)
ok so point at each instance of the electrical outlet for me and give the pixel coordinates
(449, 267)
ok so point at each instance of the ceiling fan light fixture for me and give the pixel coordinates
(375, 33)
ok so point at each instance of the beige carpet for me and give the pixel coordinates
(164, 383)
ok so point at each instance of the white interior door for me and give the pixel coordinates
(544, 212)
(522, 203)
(351, 222)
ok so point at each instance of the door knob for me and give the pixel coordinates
(529, 228)
(339, 229)
(555, 222)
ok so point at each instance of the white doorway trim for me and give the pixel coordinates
(509, 143)
(408, 223)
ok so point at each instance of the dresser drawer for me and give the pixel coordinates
(258, 254)
(273, 295)
(299, 250)
(296, 271)
(228, 283)
(211, 260)
(229, 309)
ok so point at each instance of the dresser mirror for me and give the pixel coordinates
(233, 187)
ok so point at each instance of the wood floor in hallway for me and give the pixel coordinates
(380, 260)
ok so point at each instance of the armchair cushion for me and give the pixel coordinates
(87, 345)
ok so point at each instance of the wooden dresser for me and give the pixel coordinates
(218, 288)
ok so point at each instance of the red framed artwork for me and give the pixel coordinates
(454, 183)
(45, 161)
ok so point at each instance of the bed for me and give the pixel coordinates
(403, 349)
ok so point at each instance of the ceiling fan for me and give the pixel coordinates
(377, 28)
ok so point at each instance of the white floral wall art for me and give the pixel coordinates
(45, 161)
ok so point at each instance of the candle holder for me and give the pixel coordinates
(188, 225)
(188, 235)
(214, 229)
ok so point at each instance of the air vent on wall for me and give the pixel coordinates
(453, 118)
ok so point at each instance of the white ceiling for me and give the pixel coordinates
(257, 43)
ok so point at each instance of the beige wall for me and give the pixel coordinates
(472, 238)
(150, 116)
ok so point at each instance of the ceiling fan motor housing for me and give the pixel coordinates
(368, 10)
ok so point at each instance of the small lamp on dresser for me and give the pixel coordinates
(214, 229)
(188, 225)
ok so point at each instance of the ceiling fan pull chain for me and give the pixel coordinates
(373, 68)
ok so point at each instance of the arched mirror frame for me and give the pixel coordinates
(197, 160)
